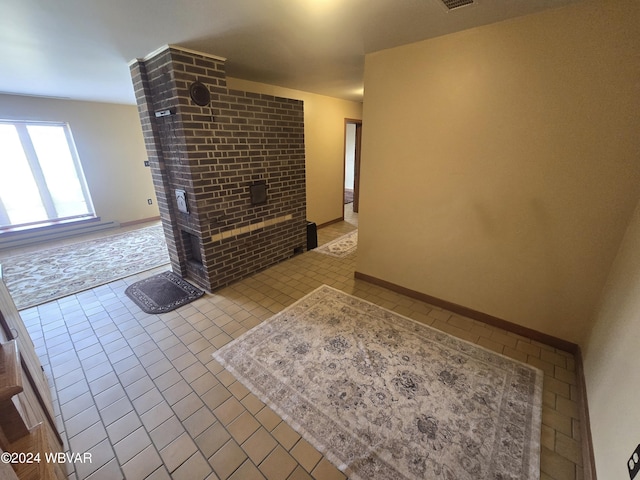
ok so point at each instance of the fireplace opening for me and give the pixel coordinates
(191, 245)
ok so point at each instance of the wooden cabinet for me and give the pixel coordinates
(27, 421)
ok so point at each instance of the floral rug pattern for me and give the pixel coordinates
(384, 397)
(46, 275)
(340, 247)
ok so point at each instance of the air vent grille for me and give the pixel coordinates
(453, 4)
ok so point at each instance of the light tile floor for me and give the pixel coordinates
(144, 396)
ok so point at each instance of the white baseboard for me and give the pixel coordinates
(29, 237)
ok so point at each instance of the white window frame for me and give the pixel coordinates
(38, 175)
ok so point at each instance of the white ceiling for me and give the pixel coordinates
(80, 49)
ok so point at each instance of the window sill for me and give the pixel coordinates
(46, 227)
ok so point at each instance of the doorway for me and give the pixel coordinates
(351, 177)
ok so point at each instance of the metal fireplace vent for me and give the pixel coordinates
(453, 4)
(258, 193)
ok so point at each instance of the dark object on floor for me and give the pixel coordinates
(312, 236)
(162, 293)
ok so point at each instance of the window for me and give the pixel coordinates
(41, 179)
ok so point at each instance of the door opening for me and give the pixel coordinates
(352, 143)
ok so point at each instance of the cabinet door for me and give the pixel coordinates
(12, 327)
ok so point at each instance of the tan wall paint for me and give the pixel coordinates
(500, 164)
(612, 362)
(110, 145)
(324, 138)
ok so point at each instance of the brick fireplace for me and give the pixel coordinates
(228, 167)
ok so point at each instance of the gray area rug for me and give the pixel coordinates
(162, 293)
(46, 275)
(384, 397)
(340, 247)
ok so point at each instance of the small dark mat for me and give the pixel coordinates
(162, 293)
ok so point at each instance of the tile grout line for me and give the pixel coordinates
(279, 283)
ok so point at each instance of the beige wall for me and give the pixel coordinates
(324, 138)
(110, 145)
(500, 165)
(612, 362)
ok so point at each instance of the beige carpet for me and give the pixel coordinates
(384, 397)
(45, 275)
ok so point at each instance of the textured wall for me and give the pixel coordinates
(500, 164)
(324, 139)
(612, 364)
(215, 153)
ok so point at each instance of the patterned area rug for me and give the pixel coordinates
(340, 247)
(39, 277)
(385, 397)
(162, 293)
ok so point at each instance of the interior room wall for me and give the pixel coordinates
(110, 145)
(502, 163)
(324, 142)
(612, 363)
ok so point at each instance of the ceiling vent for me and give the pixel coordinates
(455, 4)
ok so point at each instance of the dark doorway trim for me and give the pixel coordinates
(357, 159)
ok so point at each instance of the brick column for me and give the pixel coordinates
(216, 153)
